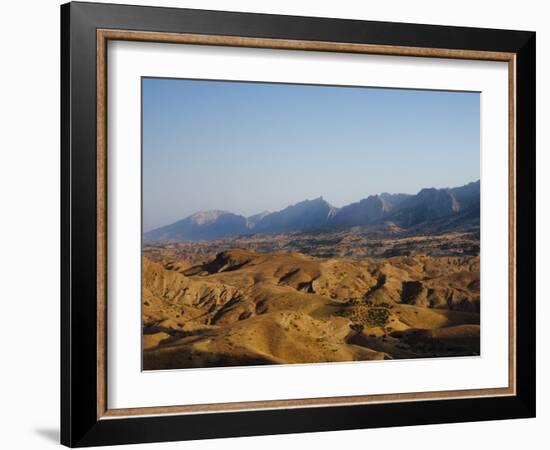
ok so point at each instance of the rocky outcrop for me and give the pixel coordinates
(306, 215)
(364, 212)
(205, 225)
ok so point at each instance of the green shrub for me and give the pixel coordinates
(378, 317)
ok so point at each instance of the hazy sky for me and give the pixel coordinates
(248, 147)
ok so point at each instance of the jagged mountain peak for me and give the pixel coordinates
(403, 210)
(209, 216)
(304, 215)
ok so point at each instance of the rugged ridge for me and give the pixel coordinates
(365, 212)
(205, 225)
(430, 209)
(306, 215)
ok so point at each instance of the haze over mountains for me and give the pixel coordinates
(449, 207)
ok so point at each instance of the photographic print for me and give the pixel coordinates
(254, 206)
(291, 223)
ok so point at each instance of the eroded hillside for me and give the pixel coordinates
(244, 307)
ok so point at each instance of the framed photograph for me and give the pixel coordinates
(277, 224)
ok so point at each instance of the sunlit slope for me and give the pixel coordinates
(245, 307)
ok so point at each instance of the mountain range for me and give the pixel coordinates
(448, 208)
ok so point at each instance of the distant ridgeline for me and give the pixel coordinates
(429, 210)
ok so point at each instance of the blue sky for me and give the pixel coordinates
(247, 147)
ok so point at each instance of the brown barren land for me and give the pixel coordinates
(329, 297)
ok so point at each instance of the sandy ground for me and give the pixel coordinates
(244, 307)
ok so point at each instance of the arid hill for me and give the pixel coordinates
(245, 307)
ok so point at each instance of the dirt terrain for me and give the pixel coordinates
(244, 301)
(382, 241)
